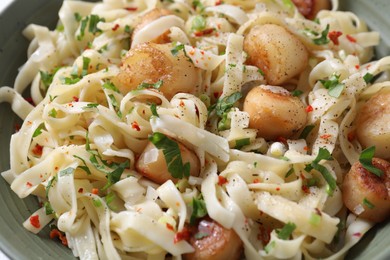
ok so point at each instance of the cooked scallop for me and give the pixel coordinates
(366, 194)
(276, 51)
(373, 124)
(150, 63)
(153, 166)
(274, 112)
(214, 242)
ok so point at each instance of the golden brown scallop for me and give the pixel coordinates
(276, 51)
(214, 243)
(274, 112)
(366, 194)
(150, 63)
(373, 124)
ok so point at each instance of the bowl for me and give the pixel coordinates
(18, 243)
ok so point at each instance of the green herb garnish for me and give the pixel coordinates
(199, 210)
(172, 155)
(286, 231)
(366, 160)
(333, 85)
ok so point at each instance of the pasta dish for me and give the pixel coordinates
(204, 129)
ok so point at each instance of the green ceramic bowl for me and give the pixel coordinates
(15, 241)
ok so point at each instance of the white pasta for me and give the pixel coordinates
(78, 147)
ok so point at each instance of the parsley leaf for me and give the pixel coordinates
(114, 176)
(50, 184)
(368, 77)
(365, 159)
(323, 154)
(199, 210)
(66, 171)
(172, 155)
(48, 209)
(286, 231)
(39, 129)
(324, 37)
(86, 62)
(153, 108)
(84, 167)
(115, 105)
(224, 105)
(109, 85)
(306, 131)
(198, 23)
(368, 203)
(335, 88)
(145, 85)
(242, 142)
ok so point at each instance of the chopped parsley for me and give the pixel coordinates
(323, 154)
(53, 113)
(365, 159)
(333, 85)
(368, 77)
(224, 105)
(296, 93)
(368, 203)
(86, 62)
(39, 129)
(306, 131)
(83, 167)
(48, 209)
(289, 172)
(145, 85)
(172, 155)
(269, 247)
(286, 231)
(115, 105)
(315, 219)
(198, 23)
(91, 105)
(153, 109)
(199, 209)
(242, 142)
(109, 85)
(50, 184)
(67, 171)
(113, 170)
(323, 39)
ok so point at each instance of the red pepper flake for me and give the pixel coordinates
(221, 180)
(305, 189)
(350, 38)
(55, 233)
(37, 150)
(357, 234)
(75, 99)
(181, 103)
(34, 221)
(326, 136)
(116, 27)
(281, 139)
(306, 148)
(30, 100)
(17, 127)
(185, 234)
(169, 226)
(357, 66)
(29, 184)
(277, 188)
(217, 94)
(95, 191)
(135, 126)
(334, 36)
(256, 181)
(204, 32)
(218, 2)
(81, 190)
(351, 136)
(309, 109)
(131, 8)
